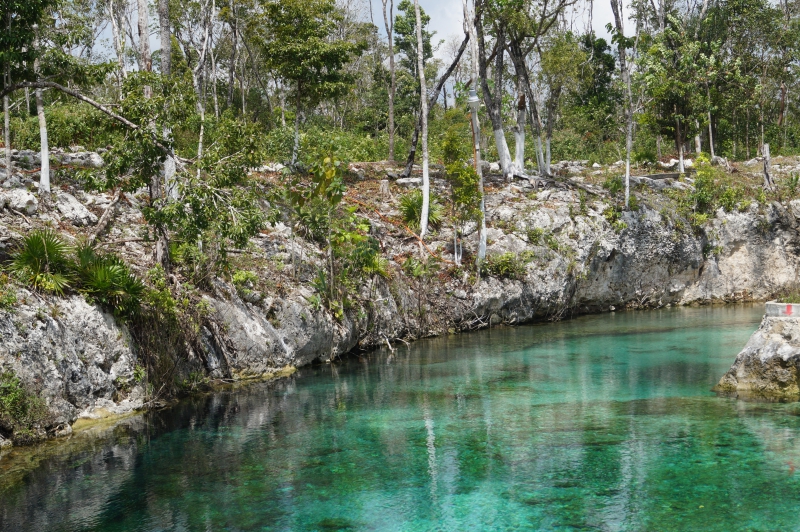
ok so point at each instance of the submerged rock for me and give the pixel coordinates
(769, 365)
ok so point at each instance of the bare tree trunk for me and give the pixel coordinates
(519, 130)
(145, 62)
(423, 99)
(521, 69)
(119, 46)
(44, 174)
(616, 7)
(492, 102)
(681, 166)
(393, 81)
(767, 177)
(234, 50)
(166, 39)
(7, 126)
(412, 153)
(698, 142)
(469, 29)
(166, 70)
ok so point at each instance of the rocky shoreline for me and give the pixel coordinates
(569, 258)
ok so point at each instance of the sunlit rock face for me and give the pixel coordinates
(72, 354)
(768, 365)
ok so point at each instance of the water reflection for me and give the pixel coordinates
(602, 423)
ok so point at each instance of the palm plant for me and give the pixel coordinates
(108, 281)
(42, 263)
(411, 210)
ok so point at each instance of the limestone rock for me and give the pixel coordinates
(73, 354)
(19, 200)
(769, 365)
(74, 211)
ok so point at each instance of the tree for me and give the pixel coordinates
(17, 53)
(623, 44)
(299, 44)
(423, 92)
(393, 81)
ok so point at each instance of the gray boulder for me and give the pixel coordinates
(769, 365)
(74, 211)
(19, 200)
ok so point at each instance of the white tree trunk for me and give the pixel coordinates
(44, 180)
(616, 7)
(145, 63)
(392, 81)
(7, 131)
(423, 98)
(7, 135)
(469, 27)
(519, 133)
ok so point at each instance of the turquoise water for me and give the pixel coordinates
(599, 423)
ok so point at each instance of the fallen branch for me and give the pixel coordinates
(105, 218)
(124, 241)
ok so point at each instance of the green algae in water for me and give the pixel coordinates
(600, 423)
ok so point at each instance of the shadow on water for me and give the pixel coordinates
(601, 423)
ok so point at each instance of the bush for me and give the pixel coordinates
(21, 410)
(42, 263)
(505, 265)
(411, 210)
(614, 184)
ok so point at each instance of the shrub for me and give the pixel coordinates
(42, 263)
(411, 210)
(7, 296)
(730, 198)
(614, 184)
(21, 410)
(244, 281)
(505, 265)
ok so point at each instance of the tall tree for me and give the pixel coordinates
(388, 22)
(423, 98)
(623, 44)
(300, 45)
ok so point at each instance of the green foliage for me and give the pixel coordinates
(411, 210)
(244, 281)
(107, 280)
(300, 44)
(466, 202)
(8, 297)
(68, 124)
(614, 184)
(535, 235)
(22, 411)
(504, 265)
(42, 262)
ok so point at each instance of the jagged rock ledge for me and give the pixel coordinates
(768, 368)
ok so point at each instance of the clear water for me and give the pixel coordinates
(600, 423)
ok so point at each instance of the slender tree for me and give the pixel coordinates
(423, 98)
(388, 22)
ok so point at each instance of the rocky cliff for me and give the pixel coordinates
(557, 250)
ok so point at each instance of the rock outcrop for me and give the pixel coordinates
(769, 365)
(74, 356)
(569, 248)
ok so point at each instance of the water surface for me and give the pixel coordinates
(599, 423)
